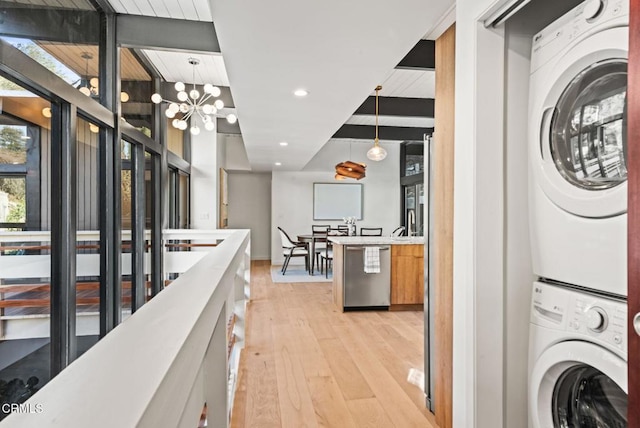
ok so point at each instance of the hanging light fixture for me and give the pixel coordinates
(350, 169)
(191, 104)
(377, 153)
(90, 86)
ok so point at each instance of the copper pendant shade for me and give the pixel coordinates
(348, 169)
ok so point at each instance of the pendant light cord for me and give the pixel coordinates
(377, 91)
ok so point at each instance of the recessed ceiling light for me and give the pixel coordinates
(301, 93)
(278, 163)
(284, 143)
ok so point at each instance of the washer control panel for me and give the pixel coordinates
(580, 314)
(582, 19)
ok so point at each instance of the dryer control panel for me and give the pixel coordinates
(581, 314)
(591, 15)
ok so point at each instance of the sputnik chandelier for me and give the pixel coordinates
(192, 104)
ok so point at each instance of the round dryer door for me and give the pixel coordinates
(582, 165)
(578, 384)
(588, 129)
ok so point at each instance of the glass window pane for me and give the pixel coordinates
(149, 201)
(25, 263)
(13, 200)
(135, 92)
(13, 143)
(183, 216)
(127, 221)
(88, 236)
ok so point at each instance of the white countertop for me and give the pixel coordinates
(377, 240)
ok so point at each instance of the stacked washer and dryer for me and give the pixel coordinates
(578, 203)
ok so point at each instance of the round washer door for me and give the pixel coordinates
(580, 146)
(578, 384)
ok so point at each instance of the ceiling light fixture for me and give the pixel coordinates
(284, 143)
(91, 85)
(377, 153)
(301, 92)
(278, 163)
(191, 104)
(350, 169)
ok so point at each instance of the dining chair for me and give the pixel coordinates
(326, 259)
(291, 248)
(320, 242)
(370, 231)
(319, 228)
(399, 231)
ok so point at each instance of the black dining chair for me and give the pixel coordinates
(319, 228)
(326, 259)
(370, 231)
(399, 231)
(291, 248)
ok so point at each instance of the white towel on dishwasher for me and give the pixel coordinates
(371, 259)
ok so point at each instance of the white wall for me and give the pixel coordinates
(478, 239)
(292, 193)
(518, 268)
(492, 260)
(236, 153)
(204, 181)
(250, 208)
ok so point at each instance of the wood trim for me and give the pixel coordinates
(443, 227)
(633, 234)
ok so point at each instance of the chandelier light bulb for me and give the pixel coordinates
(174, 107)
(208, 88)
(156, 98)
(124, 97)
(182, 96)
(85, 91)
(194, 94)
(195, 130)
(183, 125)
(179, 86)
(170, 113)
(184, 108)
(46, 112)
(207, 109)
(209, 126)
(219, 104)
(215, 91)
(94, 82)
(232, 118)
(176, 123)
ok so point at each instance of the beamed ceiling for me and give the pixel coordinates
(260, 52)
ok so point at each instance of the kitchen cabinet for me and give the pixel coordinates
(407, 276)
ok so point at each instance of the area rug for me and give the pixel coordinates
(297, 274)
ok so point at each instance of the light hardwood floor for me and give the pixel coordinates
(306, 364)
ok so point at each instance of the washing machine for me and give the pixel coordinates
(577, 359)
(577, 148)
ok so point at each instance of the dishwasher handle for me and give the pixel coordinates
(351, 248)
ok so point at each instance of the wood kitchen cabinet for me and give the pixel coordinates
(407, 276)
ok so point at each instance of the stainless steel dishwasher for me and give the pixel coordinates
(366, 289)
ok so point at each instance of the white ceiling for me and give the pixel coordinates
(175, 67)
(194, 10)
(339, 51)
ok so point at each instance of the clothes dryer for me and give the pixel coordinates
(577, 359)
(577, 147)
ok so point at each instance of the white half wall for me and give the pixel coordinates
(292, 193)
(250, 208)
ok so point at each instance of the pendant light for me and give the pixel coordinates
(377, 153)
(350, 169)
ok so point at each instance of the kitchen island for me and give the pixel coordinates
(398, 286)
